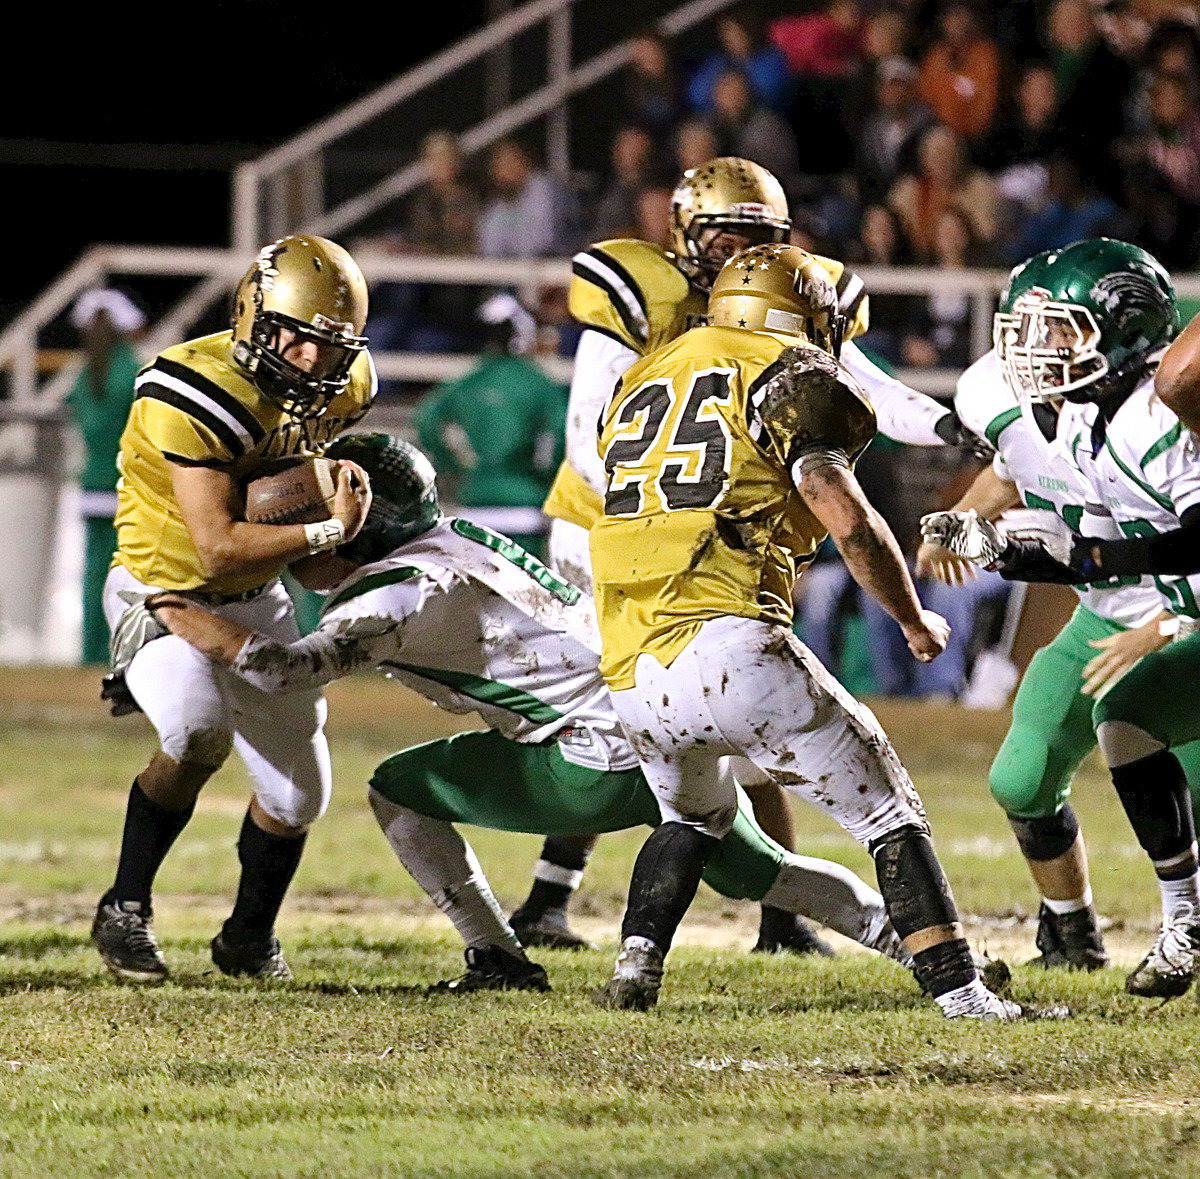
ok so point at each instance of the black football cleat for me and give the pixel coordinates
(123, 932)
(1069, 941)
(493, 968)
(781, 932)
(262, 959)
(548, 931)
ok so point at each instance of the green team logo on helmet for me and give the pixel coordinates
(1082, 323)
(404, 499)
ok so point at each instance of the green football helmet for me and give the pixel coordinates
(404, 499)
(1083, 323)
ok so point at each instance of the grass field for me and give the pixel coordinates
(749, 1066)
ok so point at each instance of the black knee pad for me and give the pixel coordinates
(914, 887)
(1046, 838)
(1153, 790)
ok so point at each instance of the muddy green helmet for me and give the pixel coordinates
(1083, 323)
(404, 499)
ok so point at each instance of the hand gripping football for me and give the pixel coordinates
(292, 491)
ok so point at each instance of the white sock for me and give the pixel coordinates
(1071, 906)
(1180, 896)
(444, 865)
(972, 999)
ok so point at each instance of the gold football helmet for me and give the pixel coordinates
(778, 288)
(300, 290)
(726, 194)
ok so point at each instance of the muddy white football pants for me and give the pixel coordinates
(569, 555)
(200, 710)
(750, 688)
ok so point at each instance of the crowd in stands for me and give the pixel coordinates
(946, 133)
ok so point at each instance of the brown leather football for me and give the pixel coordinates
(295, 491)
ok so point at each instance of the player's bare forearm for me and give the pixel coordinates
(219, 638)
(1177, 380)
(210, 503)
(989, 495)
(867, 545)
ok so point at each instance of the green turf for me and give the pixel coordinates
(749, 1067)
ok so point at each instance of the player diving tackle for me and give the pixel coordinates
(474, 623)
(209, 415)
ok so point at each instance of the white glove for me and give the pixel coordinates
(136, 627)
(965, 534)
(1047, 528)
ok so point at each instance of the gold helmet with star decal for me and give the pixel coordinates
(311, 288)
(725, 194)
(778, 288)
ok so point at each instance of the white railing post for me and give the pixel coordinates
(558, 70)
(244, 235)
(982, 306)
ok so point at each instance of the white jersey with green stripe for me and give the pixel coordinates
(472, 622)
(1142, 469)
(1047, 480)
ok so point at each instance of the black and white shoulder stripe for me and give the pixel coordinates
(595, 266)
(851, 290)
(203, 399)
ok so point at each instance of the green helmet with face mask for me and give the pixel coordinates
(404, 499)
(1084, 323)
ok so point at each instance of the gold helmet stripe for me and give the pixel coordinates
(611, 277)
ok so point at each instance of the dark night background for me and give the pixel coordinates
(84, 90)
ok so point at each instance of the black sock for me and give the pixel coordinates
(944, 967)
(268, 864)
(775, 925)
(1153, 790)
(566, 853)
(150, 830)
(666, 875)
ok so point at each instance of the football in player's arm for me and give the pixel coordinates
(729, 456)
(1078, 346)
(474, 623)
(209, 415)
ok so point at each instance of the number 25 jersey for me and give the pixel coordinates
(701, 513)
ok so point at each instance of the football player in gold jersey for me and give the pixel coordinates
(633, 297)
(728, 457)
(209, 415)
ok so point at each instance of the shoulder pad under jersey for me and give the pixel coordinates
(983, 400)
(634, 293)
(804, 401)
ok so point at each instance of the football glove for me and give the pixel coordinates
(136, 628)
(1046, 528)
(965, 534)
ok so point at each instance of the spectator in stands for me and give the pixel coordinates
(882, 242)
(441, 218)
(939, 326)
(108, 323)
(822, 44)
(754, 132)
(695, 142)
(526, 215)
(745, 48)
(1163, 173)
(891, 133)
(654, 215)
(960, 75)
(650, 86)
(1073, 209)
(498, 431)
(1093, 86)
(1028, 134)
(886, 35)
(443, 212)
(945, 181)
(616, 211)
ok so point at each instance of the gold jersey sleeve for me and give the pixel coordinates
(701, 515)
(633, 291)
(194, 406)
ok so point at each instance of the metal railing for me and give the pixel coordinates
(258, 211)
(220, 269)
